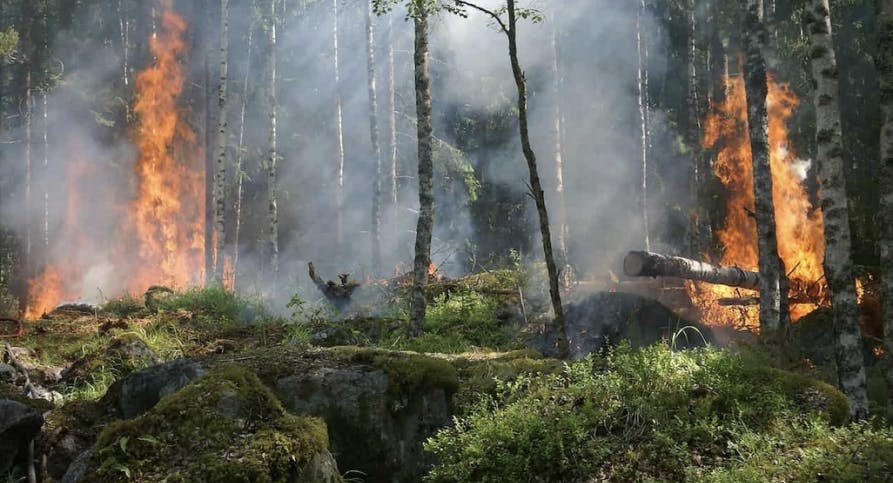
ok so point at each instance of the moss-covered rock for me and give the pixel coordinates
(223, 426)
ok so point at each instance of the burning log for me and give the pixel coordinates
(336, 293)
(647, 264)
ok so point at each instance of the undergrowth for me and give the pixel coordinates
(632, 415)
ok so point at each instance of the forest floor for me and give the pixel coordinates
(470, 398)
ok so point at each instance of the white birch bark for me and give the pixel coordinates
(838, 245)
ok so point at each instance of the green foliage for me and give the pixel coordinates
(215, 304)
(459, 321)
(814, 452)
(633, 415)
(9, 41)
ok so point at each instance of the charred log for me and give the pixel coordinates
(647, 264)
(337, 293)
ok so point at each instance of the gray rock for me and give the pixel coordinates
(368, 430)
(78, 468)
(141, 390)
(605, 319)
(19, 424)
(321, 469)
(8, 373)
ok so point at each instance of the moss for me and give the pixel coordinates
(813, 395)
(224, 426)
(410, 374)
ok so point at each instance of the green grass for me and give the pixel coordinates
(216, 304)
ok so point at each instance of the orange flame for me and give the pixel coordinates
(799, 227)
(161, 240)
(168, 208)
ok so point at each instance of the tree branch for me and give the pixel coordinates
(491, 13)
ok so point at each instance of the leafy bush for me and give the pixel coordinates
(461, 320)
(814, 452)
(632, 415)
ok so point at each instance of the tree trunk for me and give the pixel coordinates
(124, 28)
(884, 65)
(339, 132)
(392, 117)
(756, 87)
(838, 247)
(699, 233)
(376, 147)
(220, 152)
(426, 174)
(642, 92)
(535, 184)
(27, 19)
(46, 173)
(557, 151)
(646, 264)
(240, 155)
(272, 208)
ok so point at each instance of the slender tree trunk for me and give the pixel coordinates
(124, 28)
(27, 19)
(209, 150)
(339, 132)
(426, 175)
(220, 152)
(838, 247)
(698, 234)
(392, 117)
(884, 64)
(272, 209)
(46, 173)
(240, 155)
(376, 147)
(756, 88)
(642, 92)
(557, 151)
(535, 185)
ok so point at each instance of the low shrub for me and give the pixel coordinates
(632, 415)
(215, 304)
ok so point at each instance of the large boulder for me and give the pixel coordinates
(380, 407)
(223, 426)
(604, 319)
(141, 390)
(19, 425)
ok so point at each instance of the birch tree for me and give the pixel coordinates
(392, 118)
(838, 247)
(642, 97)
(557, 154)
(220, 156)
(756, 88)
(240, 155)
(272, 197)
(884, 64)
(339, 131)
(376, 146)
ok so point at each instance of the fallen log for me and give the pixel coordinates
(647, 264)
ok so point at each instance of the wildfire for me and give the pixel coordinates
(167, 211)
(799, 225)
(160, 237)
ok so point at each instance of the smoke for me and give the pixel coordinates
(472, 88)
